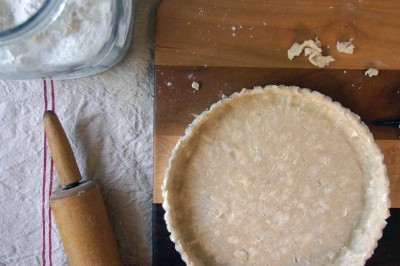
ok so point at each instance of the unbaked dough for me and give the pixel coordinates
(195, 85)
(313, 50)
(345, 47)
(371, 72)
(276, 176)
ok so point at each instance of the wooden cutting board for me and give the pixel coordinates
(226, 45)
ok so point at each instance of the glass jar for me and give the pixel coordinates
(67, 39)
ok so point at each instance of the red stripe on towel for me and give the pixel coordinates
(53, 99)
(51, 177)
(44, 181)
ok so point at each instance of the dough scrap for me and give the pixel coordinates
(195, 85)
(320, 61)
(371, 72)
(278, 174)
(345, 47)
(313, 50)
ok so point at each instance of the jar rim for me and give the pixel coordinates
(47, 13)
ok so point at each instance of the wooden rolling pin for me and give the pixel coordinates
(78, 207)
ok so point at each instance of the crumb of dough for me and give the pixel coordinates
(371, 72)
(320, 60)
(313, 50)
(295, 50)
(195, 85)
(345, 47)
(308, 46)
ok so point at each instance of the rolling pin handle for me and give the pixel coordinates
(61, 151)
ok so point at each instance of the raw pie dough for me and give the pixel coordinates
(276, 176)
(345, 47)
(371, 72)
(313, 50)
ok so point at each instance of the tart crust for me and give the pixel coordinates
(276, 176)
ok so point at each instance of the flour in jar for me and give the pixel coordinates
(81, 30)
(16, 12)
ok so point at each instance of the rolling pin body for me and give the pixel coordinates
(84, 227)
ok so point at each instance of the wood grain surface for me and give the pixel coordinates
(177, 103)
(227, 45)
(85, 229)
(258, 33)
